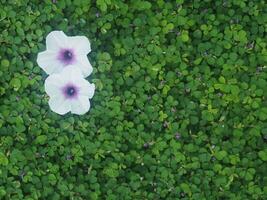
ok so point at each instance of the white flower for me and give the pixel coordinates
(69, 91)
(62, 51)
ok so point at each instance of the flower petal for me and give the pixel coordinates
(80, 106)
(48, 61)
(86, 88)
(56, 40)
(85, 65)
(71, 73)
(59, 104)
(53, 85)
(81, 44)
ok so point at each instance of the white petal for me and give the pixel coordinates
(48, 61)
(86, 88)
(80, 106)
(53, 85)
(71, 73)
(85, 65)
(80, 43)
(56, 40)
(59, 104)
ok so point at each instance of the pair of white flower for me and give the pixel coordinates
(66, 62)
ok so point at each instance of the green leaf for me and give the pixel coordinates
(41, 139)
(222, 79)
(15, 83)
(220, 155)
(185, 37)
(52, 179)
(185, 187)
(263, 155)
(3, 159)
(4, 65)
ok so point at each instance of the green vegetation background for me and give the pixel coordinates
(179, 112)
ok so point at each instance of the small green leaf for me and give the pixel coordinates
(263, 155)
(3, 159)
(222, 79)
(15, 83)
(4, 65)
(185, 37)
(41, 139)
(220, 155)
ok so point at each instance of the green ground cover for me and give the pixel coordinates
(179, 111)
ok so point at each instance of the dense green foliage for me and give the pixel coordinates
(179, 112)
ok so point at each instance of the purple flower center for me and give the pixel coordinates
(70, 91)
(66, 56)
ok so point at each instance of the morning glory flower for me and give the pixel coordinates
(69, 91)
(62, 51)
